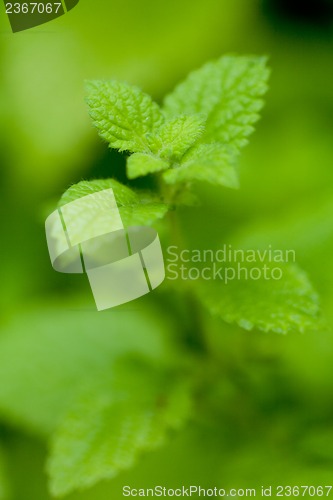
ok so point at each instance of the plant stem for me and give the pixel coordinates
(194, 327)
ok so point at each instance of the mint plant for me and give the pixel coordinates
(197, 136)
(119, 395)
(200, 129)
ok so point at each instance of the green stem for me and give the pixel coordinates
(194, 326)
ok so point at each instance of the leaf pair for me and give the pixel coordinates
(198, 132)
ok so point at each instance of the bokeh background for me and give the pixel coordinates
(269, 417)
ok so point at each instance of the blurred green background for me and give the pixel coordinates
(269, 417)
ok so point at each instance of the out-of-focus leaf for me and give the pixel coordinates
(112, 422)
(284, 305)
(307, 229)
(46, 357)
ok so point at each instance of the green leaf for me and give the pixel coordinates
(228, 92)
(307, 228)
(211, 163)
(284, 305)
(140, 164)
(46, 356)
(172, 141)
(177, 135)
(135, 207)
(123, 115)
(112, 422)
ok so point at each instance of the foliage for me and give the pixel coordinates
(105, 390)
(206, 120)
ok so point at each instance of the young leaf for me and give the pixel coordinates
(123, 115)
(284, 305)
(212, 163)
(135, 207)
(173, 139)
(228, 92)
(177, 135)
(140, 164)
(111, 423)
